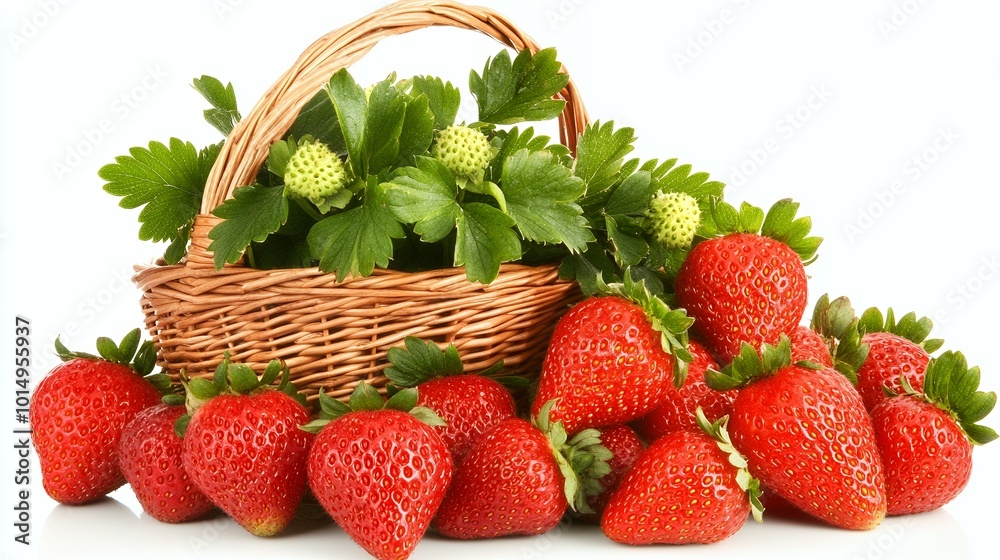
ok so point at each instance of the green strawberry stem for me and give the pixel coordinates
(779, 224)
(420, 361)
(908, 326)
(836, 322)
(234, 379)
(750, 365)
(367, 398)
(951, 385)
(131, 352)
(719, 431)
(672, 324)
(582, 460)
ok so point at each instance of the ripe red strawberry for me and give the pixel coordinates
(378, 469)
(519, 478)
(926, 438)
(469, 404)
(809, 346)
(79, 409)
(625, 447)
(612, 359)
(150, 459)
(806, 436)
(750, 284)
(677, 410)
(243, 447)
(688, 487)
(896, 350)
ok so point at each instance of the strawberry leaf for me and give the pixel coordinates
(443, 98)
(366, 397)
(425, 196)
(403, 401)
(779, 224)
(953, 386)
(242, 378)
(599, 155)
(167, 182)
(421, 361)
(510, 92)
(914, 329)
(109, 350)
(223, 115)
(254, 213)
(331, 408)
(353, 242)
(750, 365)
(514, 140)
(428, 417)
(485, 239)
(540, 195)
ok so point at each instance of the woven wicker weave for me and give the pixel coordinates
(335, 334)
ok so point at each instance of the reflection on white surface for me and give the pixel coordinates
(109, 530)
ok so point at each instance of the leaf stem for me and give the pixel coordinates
(308, 208)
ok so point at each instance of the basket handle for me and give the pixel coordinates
(248, 144)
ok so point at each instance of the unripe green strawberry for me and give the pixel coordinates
(464, 151)
(315, 173)
(673, 219)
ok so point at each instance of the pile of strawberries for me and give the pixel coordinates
(663, 418)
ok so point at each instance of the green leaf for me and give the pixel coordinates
(145, 359)
(421, 361)
(279, 154)
(626, 236)
(633, 195)
(129, 344)
(510, 141)
(425, 196)
(383, 127)
(202, 389)
(180, 426)
(281, 251)
(352, 242)
(253, 213)
(318, 119)
(167, 182)
(366, 397)
(485, 239)
(541, 197)
(223, 115)
(178, 247)
(242, 378)
(599, 154)
(428, 416)
(443, 98)
(509, 93)
(109, 350)
(403, 401)
(417, 132)
(331, 408)
(271, 373)
(590, 269)
(351, 107)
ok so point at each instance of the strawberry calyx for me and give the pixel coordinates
(672, 324)
(583, 460)
(419, 361)
(779, 224)
(719, 431)
(908, 326)
(951, 385)
(139, 356)
(233, 379)
(838, 325)
(750, 365)
(367, 398)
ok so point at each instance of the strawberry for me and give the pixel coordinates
(806, 435)
(749, 285)
(926, 438)
(612, 358)
(468, 404)
(677, 410)
(150, 459)
(688, 487)
(243, 447)
(896, 350)
(520, 477)
(625, 448)
(379, 469)
(809, 346)
(79, 409)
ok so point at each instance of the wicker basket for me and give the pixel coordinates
(335, 334)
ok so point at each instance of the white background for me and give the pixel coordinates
(869, 84)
